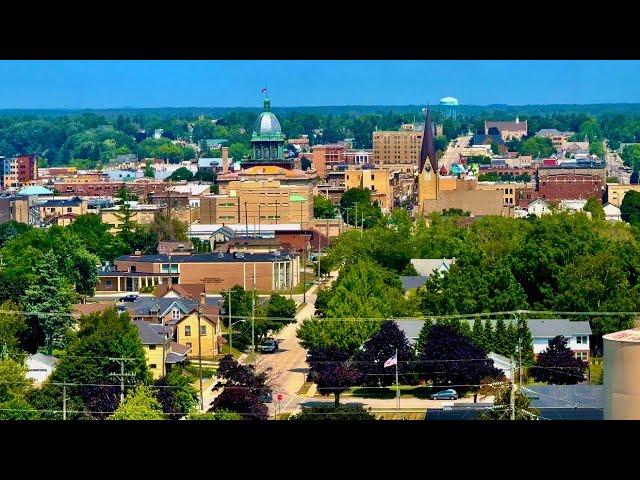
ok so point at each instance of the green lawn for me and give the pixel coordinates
(406, 391)
(304, 389)
(309, 281)
(225, 351)
(400, 415)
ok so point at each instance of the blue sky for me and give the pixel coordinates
(229, 83)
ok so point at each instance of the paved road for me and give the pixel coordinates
(615, 166)
(452, 153)
(289, 364)
(391, 404)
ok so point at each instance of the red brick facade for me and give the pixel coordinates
(570, 186)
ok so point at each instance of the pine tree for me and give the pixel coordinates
(512, 339)
(501, 341)
(424, 333)
(526, 342)
(51, 296)
(477, 334)
(489, 337)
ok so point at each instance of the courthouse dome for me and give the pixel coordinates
(267, 123)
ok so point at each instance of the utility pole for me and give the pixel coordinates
(121, 376)
(397, 383)
(64, 401)
(253, 312)
(200, 308)
(230, 324)
(304, 272)
(512, 396)
(520, 361)
(246, 221)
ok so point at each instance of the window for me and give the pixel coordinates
(188, 344)
(153, 366)
(175, 314)
(187, 331)
(108, 283)
(152, 347)
(203, 329)
(132, 268)
(69, 209)
(169, 268)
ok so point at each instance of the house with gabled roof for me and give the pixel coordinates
(160, 350)
(428, 266)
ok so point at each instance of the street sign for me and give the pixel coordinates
(279, 397)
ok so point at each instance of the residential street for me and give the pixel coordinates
(289, 362)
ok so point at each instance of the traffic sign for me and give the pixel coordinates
(279, 397)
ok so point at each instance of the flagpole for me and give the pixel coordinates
(397, 385)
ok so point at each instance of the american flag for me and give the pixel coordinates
(263, 90)
(392, 361)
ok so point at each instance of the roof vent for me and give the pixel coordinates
(137, 253)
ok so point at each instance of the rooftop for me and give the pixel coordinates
(411, 282)
(206, 258)
(632, 336)
(35, 190)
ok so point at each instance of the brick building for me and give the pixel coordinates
(278, 271)
(507, 130)
(570, 183)
(18, 171)
(397, 149)
(326, 158)
(143, 188)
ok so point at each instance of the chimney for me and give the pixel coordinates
(225, 159)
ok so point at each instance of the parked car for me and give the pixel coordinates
(132, 297)
(266, 397)
(448, 394)
(270, 345)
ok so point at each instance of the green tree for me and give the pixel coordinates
(12, 327)
(96, 237)
(238, 151)
(101, 336)
(357, 201)
(595, 207)
(538, 147)
(50, 301)
(176, 394)
(149, 172)
(182, 173)
(501, 409)
(630, 208)
(322, 207)
(140, 404)
(14, 386)
(217, 415)
(596, 147)
(331, 413)
(631, 156)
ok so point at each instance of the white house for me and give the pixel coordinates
(427, 266)
(576, 332)
(538, 208)
(40, 366)
(501, 362)
(572, 205)
(612, 213)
